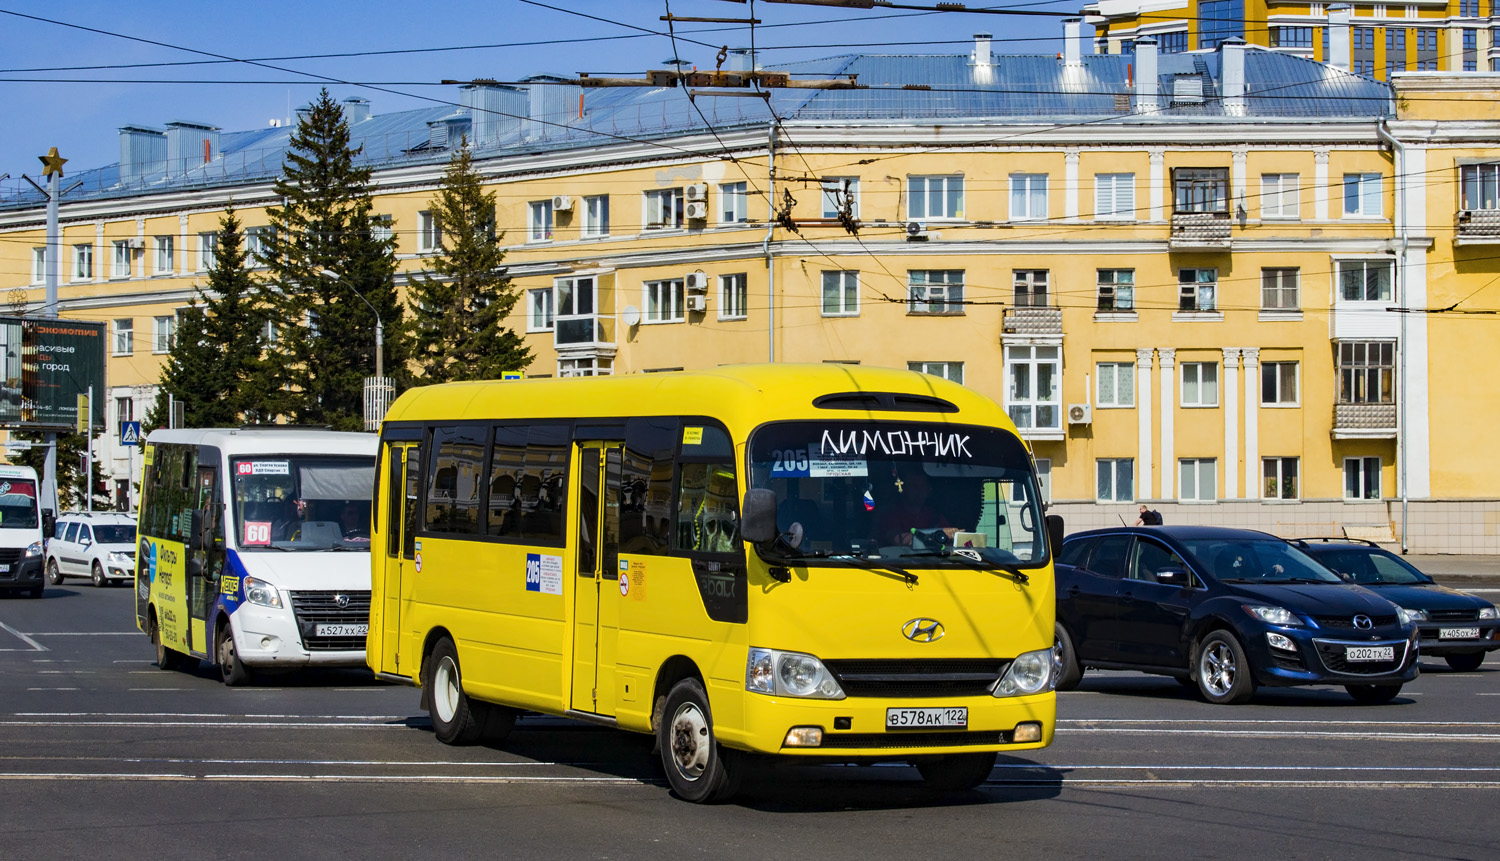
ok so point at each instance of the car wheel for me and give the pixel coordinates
(698, 769)
(1223, 673)
(1065, 667)
(231, 669)
(456, 719)
(54, 576)
(957, 772)
(166, 658)
(97, 575)
(1465, 662)
(1373, 695)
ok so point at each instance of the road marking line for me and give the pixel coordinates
(161, 689)
(84, 633)
(322, 778)
(206, 724)
(134, 661)
(51, 689)
(35, 646)
(207, 715)
(1254, 733)
(1153, 722)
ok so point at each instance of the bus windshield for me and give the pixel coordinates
(302, 502)
(902, 489)
(18, 504)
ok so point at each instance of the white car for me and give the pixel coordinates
(98, 545)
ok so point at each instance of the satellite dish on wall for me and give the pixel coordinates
(631, 315)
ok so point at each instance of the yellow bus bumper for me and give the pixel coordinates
(855, 728)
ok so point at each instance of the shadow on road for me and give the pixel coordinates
(1163, 688)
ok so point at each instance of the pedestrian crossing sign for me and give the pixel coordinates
(130, 433)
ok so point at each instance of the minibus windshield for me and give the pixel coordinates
(302, 502)
(931, 493)
(18, 503)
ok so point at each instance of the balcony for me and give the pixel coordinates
(1478, 227)
(1032, 320)
(1364, 421)
(1199, 230)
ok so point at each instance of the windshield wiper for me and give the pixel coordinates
(853, 560)
(974, 561)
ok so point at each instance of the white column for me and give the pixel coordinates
(1417, 427)
(182, 262)
(1320, 184)
(1143, 423)
(1453, 42)
(1231, 423)
(1158, 182)
(1168, 409)
(1070, 184)
(1238, 179)
(100, 260)
(1252, 421)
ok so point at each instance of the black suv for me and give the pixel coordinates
(1225, 610)
(1455, 625)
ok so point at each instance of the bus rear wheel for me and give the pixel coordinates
(166, 659)
(231, 669)
(456, 719)
(698, 769)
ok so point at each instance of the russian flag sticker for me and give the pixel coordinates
(869, 501)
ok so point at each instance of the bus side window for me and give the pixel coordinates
(544, 486)
(413, 491)
(646, 485)
(393, 504)
(707, 508)
(507, 464)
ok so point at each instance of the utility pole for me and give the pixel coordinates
(52, 171)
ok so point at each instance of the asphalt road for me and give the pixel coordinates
(101, 753)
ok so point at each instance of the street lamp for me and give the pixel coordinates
(379, 326)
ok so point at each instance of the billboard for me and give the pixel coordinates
(47, 365)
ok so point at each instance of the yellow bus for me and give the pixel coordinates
(825, 562)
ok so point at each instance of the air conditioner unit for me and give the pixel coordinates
(915, 232)
(1080, 414)
(696, 191)
(697, 211)
(562, 203)
(136, 244)
(697, 304)
(696, 282)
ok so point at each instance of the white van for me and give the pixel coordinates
(99, 545)
(254, 547)
(21, 531)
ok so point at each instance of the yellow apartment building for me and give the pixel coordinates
(1237, 285)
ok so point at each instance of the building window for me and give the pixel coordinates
(1220, 20)
(1198, 479)
(1030, 288)
(1365, 280)
(840, 293)
(840, 193)
(953, 371)
(1468, 9)
(1173, 43)
(121, 264)
(539, 221)
(1116, 289)
(1278, 290)
(1028, 196)
(539, 310)
(1115, 479)
(124, 337)
(1116, 384)
(38, 265)
(574, 320)
(596, 367)
(734, 294)
(936, 291)
(734, 207)
(1292, 37)
(1278, 384)
(665, 301)
(1033, 396)
(124, 410)
(1200, 384)
(1367, 372)
(1481, 184)
(1200, 189)
(163, 334)
(1361, 478)
(664, 208)
(382, 227)
(257, 244)
(83, 262)
(1280, 474)
(164, 260)
(429, 232)
(931, 197)
(1196, 289)
(1114, 195)
(596, 215)
(208, 251)
(1279, 195)
(1362, 194)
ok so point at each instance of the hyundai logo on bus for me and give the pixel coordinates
(923, 630)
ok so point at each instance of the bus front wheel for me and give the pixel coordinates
(698, 769)
(456, 719)
(956, 772)
(231, 669)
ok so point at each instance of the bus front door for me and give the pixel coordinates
(398, 556)
(596, 610)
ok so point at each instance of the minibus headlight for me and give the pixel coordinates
(34, 550)
(792, 674)
(260, 592)
(1029, 673)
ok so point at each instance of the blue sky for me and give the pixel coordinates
(81, 119)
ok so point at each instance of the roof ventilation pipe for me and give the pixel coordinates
(1073, 41)
(1338, 37)
(981, 55)
(1147, 79)
(1232, 72)
(356, 110)
(143, 153)
(740, 60)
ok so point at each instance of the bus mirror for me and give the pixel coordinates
(758, 525)
(49, 523)
(195, 531)
(1055, 533)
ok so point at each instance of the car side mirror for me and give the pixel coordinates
(1054, 534)
(758, 519)
(1174, 575)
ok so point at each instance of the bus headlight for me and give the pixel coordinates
(260, 592)
(792, 674)
(1029, 673)
(34, 550)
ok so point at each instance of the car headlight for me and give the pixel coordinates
(260, 592)
(34, 550)
(1406, 617)
(1029, 673)
(1274, 615)
(1488, 613)
(119, 558)
(792, 674)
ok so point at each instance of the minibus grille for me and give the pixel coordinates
(10, 556)
(917, 679)
(322, 608)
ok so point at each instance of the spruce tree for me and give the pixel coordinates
(325, 347)
(215, 363)
(459, 308)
